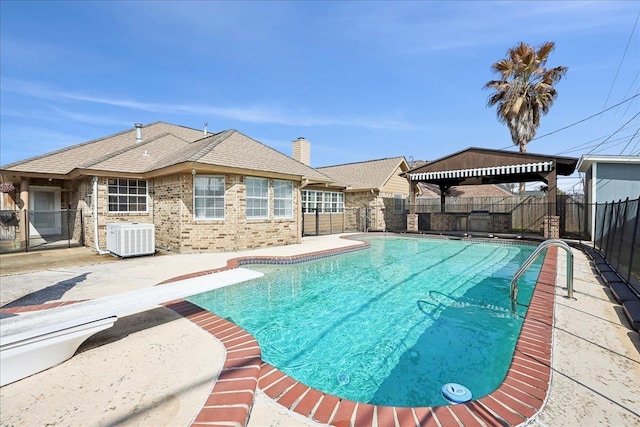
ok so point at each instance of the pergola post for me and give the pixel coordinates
(552, 221)
(552, 183)
(443, 195)
(412, 197)
(412, 217)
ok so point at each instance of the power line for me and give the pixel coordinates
(634, 135)
(618, 141)
(631, 103)
(589, 144)
(629, 90)
(579, 121)
(588, 118)
(622, 60)
(618, 130)
(610, 146)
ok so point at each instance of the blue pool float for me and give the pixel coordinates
(456, 393)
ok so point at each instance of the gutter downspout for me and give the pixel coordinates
(95, 217)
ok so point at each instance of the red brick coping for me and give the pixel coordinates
(520, 396)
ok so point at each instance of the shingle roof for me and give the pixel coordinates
(165, 145)
(140, 158)
(235, 150)
(69, 158)
(371, 174)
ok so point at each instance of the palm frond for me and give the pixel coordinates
(544, 50)
(526, 90)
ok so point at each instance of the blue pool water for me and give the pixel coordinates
(387, 325)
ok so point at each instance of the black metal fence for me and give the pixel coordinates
(360, 219)
(617, 236)
(316, 223)
(24, 231)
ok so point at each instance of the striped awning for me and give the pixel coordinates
(481, 172)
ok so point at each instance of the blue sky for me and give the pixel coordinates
(360, 80)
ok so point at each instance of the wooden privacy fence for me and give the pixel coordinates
(527, 212)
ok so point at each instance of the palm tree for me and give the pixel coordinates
(525, 91)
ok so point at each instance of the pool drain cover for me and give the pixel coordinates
(343, 378)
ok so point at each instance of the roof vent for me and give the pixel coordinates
(138, 132)
(205, 128)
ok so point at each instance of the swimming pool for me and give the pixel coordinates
(388, 325)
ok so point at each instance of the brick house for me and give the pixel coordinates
(203, 192)
(376, 189)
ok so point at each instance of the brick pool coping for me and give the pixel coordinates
(521, 395)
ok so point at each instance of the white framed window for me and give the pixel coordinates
(323, 201)
(326, 206)
(127, 195)
(257, 198)
(282, 199)
(398, 203)
(337, 202)
(309, 203)
(208, 197)
(316, 199)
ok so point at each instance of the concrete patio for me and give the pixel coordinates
(155, 367)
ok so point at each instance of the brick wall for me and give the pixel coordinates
(373, 204)
(170, 209)
(177, 229)
(394, 221)
(105, 217)
(551, 227)
(379, 208)
(448, 222)
(412, 222)
(168, 202)
(78, 191)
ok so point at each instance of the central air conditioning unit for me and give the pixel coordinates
(126, 239)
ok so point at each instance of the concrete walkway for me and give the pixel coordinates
(152, 368)
(156, 368)
(596, 356)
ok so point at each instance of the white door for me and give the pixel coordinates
(44, 211)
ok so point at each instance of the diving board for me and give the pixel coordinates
(33, 342)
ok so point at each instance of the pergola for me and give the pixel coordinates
(475, 166)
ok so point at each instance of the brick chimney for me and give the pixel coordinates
(302, 151)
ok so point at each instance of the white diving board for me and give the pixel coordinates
(36, 341)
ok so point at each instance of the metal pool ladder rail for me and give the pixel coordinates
(544, 245)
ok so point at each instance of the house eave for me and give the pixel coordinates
(586, 161)
(29, 175)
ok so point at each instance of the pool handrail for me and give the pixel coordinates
(542, 246)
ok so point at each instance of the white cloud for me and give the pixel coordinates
(93, 119)
(21, 142)
(258, 113)
(409, 28)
